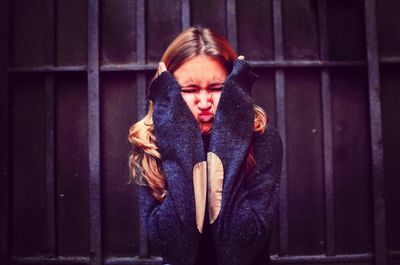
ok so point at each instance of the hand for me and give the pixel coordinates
(242, 74)
(154, 90)
(161, 68)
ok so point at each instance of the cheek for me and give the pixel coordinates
(190, 101)
(216, 97)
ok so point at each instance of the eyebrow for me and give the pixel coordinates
(189, 85)
(217, 83)
(210, 85)
(214, 80)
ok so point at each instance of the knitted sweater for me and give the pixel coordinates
(240, 207)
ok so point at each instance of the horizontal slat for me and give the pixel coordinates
(86, 260)
(305, 63)
(318, 259)
(133, 261)
(367, 257)
(394, 254)
(47, 69)
(129, 67)
(153, 66)
(47, 260)
(389, 60)
(322, 258)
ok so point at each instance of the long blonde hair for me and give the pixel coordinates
(145, 160)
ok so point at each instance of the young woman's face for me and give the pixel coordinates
(201, 79)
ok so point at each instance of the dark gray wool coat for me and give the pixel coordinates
(243, 206)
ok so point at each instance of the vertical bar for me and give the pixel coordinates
(50, 146)
(328, 163)
(231, 23)
(185, 15)
(50, 32)
(94, 133)
(376, 133)
(50, 179)
(141, 99)
(323, 29)
(141, 58)
(283, 197)
(278, 29)
(280, 105)
(4, 135)
(327, 131)
(143, 244)
(140, 31)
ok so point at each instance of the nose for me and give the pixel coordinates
(204, 100)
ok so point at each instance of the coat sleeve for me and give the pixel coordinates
(247, 218)
(241, 228)
(171, 224)
(167, 235)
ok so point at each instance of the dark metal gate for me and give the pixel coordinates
(74, 81)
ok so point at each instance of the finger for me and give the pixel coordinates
(161, 67)
(241, 57)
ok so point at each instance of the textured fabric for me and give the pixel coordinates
(200, 192)
(241, 230)
(215, 180)
(206, 252)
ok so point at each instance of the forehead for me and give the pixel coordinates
(201, 69)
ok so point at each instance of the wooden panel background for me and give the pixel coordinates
(74, 80)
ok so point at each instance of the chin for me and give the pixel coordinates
(205, 129)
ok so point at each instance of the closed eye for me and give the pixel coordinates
(216, 87)
(189, 89)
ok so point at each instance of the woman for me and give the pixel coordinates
(207, 162)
